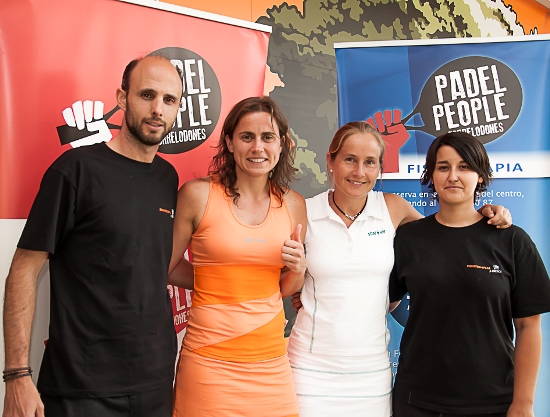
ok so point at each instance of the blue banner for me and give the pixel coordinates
(497, 89)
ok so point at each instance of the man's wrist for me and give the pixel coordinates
(10, 374)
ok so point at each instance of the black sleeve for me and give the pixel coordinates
(52, 214)
(397, 286)
(531, 293)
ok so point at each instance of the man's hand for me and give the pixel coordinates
(83, 120)
(22, 399)
(394, 134)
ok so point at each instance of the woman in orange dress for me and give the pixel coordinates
(245, 228)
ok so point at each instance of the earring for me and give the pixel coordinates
(477, 199)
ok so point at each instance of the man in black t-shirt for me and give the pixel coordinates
(103, 217)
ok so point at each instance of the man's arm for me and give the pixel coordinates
(22, 398)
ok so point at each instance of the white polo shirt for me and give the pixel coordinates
(345, 294)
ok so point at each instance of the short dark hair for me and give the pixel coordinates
(125, 84)
(470, 149)
(222, 167)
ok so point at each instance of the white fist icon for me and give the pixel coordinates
(89, 115)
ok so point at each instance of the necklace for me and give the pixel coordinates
(352, 218)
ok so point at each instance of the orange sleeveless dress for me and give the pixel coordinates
(233, 358)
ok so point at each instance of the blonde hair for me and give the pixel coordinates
(352, 128)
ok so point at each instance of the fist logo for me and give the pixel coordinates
(85, 124)
(394, 133)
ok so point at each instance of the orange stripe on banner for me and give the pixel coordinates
(228, 284)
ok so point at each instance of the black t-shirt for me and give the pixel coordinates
(466, 286)
(106, 221)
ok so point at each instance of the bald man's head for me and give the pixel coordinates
(125, 84)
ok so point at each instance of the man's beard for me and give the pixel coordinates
(134, 127)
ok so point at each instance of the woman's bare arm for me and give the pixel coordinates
(292, 274)
(526, 365)
(401, 211)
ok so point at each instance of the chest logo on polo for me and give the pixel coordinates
(255, 240)
(376, 232)
(493, 269)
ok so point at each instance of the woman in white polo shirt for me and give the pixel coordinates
(338, 345)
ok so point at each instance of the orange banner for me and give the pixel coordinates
(62, 62)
